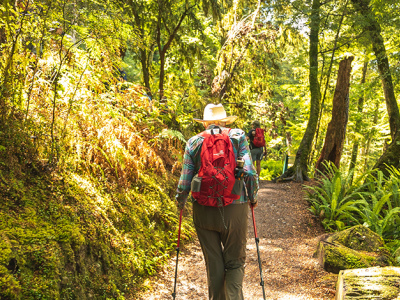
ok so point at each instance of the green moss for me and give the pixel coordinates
(345, 250)
(74, 239)
(380, 283)
(359, 238)
(341, 258)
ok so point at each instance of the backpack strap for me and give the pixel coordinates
(215, 130)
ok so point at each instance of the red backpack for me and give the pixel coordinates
(216, 176)
(259, 140)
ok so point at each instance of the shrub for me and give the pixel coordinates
(270, 169)
(381, 210)
(335, 200)
(374, 203)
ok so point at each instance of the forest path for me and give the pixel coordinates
(288, 238)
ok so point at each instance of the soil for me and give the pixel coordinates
(288, 235)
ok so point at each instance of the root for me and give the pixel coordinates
(291, 174)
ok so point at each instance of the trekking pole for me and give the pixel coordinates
(177, 253)
(239, 174)
(258, 250)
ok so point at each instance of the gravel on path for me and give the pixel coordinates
(288, 235)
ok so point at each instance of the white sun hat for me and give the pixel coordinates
(215, 112)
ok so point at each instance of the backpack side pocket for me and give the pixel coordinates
(196, 184)
(238, 187)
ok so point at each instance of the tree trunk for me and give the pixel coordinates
(373, 28)
(143, 53)
(163, 49)
(328, 76)
(161, 82)
(300, 165)
(336, 132)
(145, 70)
(390, 156)
(357, 128)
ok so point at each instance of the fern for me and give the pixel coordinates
(335, 200)
(171, 134)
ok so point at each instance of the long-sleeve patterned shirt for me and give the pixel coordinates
(192, 163)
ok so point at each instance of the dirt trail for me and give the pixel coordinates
(288, 238)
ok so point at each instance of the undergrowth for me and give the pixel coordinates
(63, 237)
(270, 169)
(87, 212)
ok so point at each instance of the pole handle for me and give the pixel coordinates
(254, 222)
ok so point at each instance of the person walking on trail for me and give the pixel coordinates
(220, 203)
(257, 144)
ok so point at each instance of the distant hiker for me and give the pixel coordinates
(220, 204)
(257, 145)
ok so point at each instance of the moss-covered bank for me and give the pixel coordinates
(64, 237)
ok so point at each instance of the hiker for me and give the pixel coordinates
(257, 145)
(221, 228)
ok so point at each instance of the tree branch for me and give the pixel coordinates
(172, 36)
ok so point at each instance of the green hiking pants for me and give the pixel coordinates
(222, 233)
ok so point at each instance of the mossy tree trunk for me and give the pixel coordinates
(336, 132)
(390, 156)
(300, 167)
(145, 69)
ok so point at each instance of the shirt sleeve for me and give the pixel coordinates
(187, 174)
(249, 134)
(251, 180)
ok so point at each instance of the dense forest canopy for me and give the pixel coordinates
(97, 100)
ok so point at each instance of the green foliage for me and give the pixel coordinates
(72, 236)
(168, 133)
(88, 161)
(381, 211)
(335, 200)
(375, 217)
(374, 203)
(270, 169)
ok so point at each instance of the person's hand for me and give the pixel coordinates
(254, 204)
(180, 205)
(240, 174)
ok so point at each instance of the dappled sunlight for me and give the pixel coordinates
(289, 269)
(99, 98)
(102, 201)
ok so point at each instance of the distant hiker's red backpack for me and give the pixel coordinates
(212, 186)
(259, 140)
